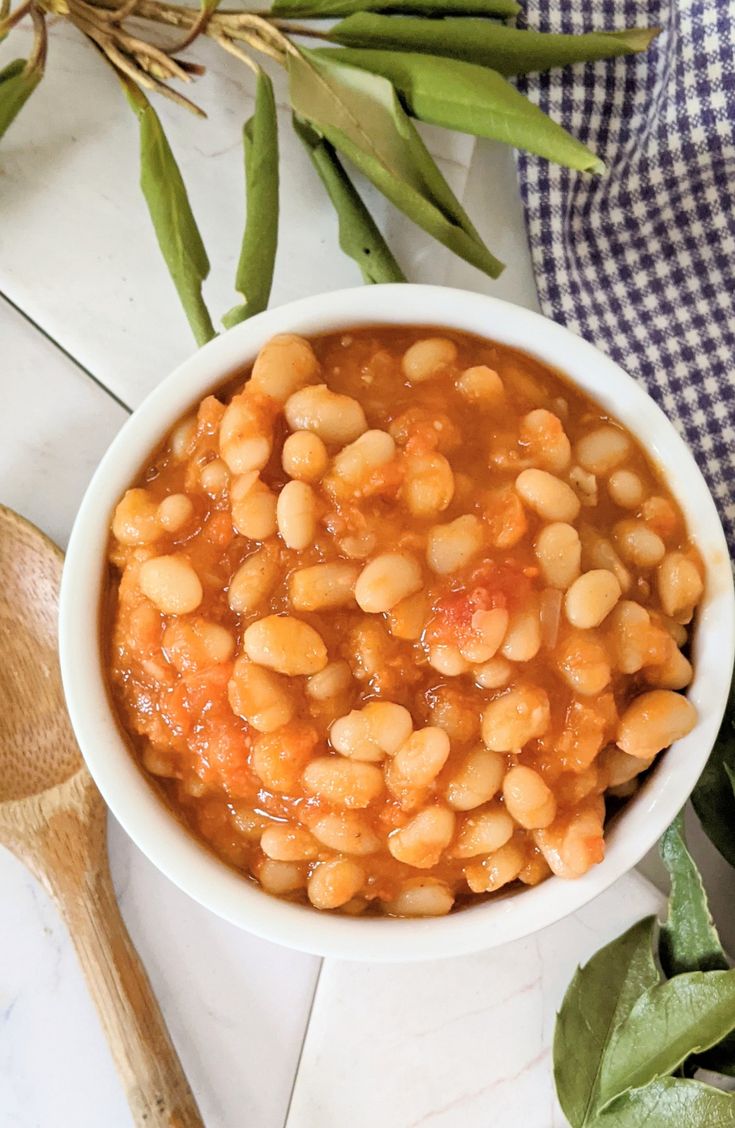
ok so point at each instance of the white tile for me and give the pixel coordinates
(491, 197)
(236, 1006)
(77, 250)
(460, 1043)
(54, 426)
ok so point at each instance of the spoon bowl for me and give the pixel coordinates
(37, 746)
(54, 819)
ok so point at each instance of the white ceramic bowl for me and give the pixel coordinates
(157, 832)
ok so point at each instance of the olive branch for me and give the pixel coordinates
(355, 94)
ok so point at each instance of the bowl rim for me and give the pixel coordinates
(156, 830)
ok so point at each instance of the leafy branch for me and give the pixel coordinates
(384, 65)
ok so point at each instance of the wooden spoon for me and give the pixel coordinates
(53, 818)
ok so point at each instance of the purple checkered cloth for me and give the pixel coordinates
(642, 260)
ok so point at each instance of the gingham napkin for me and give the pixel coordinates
(642, 260)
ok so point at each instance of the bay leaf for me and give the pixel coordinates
(473, 99)
(168, 204)
(600, 996)
(670, 1021)
(688, 940)
(258, 251)
(714, 796)
(17, 83)
(359, 236)
(361, 117)
(671, 1102)
(331, 9)
(508, 50)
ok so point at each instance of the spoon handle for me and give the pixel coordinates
(75, 868)
(155, 1084)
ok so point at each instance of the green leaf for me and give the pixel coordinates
(176, 230)
(508, 50)
(671, 1103)
(331, 9)
(12, 70)
(258, 253)
(361, 117)
(599, 997)
(714, 795)
(473, 99)
(688, 940)
(685, 1015)
(359, 236)
(17, 83)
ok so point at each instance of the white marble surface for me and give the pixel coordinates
(462, 1043)
(94, 323)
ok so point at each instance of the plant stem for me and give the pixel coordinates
(10, 20)
(299, 29)
(37, 58)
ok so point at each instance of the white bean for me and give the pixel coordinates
(332, 884)
(522, 640)
(347, 832)
(477, 780)
(483, 832)
(174, 512)
(304, 456)
(625, 489)
(421, 897)
(528, 798)
(452, 546)
(253, 581)
(260, 696)
(333, 417)
(253, 508)
(638, 544)
(421, 841)
(418, 762)
(489, 628)
(285, 364)
(286, 645)
(516, 717)
(285, 843)
(493, 674)
(296, 515)
(546, 443)
(334, 680)
(136, 519)
(601, 450)
(591, 598)
(343, 782)
(371, 733)
(358, 460)
(548, 496)
(653, 721)
(426, 359)
(680, 586)
(448, 660)
(428, 484)
(323, 586)
(171, 583)
(246, 433)
(386, 580)
(559, 552)
(482, 387)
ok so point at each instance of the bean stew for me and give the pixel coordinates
(394, 617)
